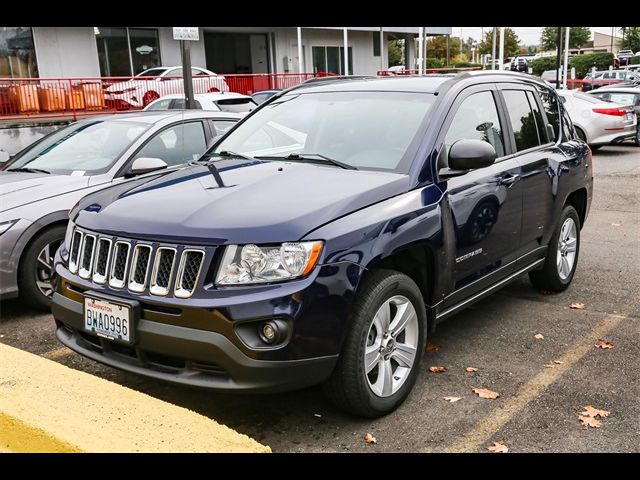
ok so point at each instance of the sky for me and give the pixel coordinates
(527, 35)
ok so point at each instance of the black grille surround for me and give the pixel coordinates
(138, 266)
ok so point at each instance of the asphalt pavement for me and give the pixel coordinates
(538, 406)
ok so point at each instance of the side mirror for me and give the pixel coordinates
(465, 155)
(551, 133)
(145, 165)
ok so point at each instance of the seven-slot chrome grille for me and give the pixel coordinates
(138, 266)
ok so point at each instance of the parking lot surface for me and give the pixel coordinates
(538, 407)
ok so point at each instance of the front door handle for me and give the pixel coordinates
(508, 180)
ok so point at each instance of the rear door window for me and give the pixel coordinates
(522, 118)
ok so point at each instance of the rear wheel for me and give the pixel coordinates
(379, 362)
(36, 273)
(562, 256)
(637, 138)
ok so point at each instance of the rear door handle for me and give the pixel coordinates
(508, 180)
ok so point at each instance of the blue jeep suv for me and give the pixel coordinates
(324, 238)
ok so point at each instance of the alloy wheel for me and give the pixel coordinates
(567, 244)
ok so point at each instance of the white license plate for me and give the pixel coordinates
(107, 319)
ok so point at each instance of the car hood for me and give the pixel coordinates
(21, 188)
(236, 201)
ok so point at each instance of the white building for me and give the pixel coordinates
(124, 51)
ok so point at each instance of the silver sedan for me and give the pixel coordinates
(44, 181)
(599, 122)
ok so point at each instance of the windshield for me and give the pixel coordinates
(369, 130)
(90, 147)
(152, 72)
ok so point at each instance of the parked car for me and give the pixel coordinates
(327, 234)
(220, 102)
(607, 77)
(519, 64)
(623, 57)
(264, 95)
(42, 182)
(625, 96)
(153, 83)
(599, 122)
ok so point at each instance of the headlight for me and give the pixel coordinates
(247, 264)
(4, 226)
(67, 235)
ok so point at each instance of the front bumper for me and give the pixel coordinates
(199, 342)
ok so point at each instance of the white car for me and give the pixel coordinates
(156, 82)
(599, 122)
(217, 102)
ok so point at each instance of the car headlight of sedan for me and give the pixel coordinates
(249, 264)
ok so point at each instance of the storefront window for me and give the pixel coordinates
(17, 53)
(127, 51)
(331, 60)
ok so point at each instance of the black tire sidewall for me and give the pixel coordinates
(396, 284)
(29, 292)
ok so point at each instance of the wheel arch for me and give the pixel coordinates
(29, 236)
(578, 200)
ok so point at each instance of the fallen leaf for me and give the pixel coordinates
(589, 411)
(558, 362)
(601, 343)
(432, 346)
(498, 447)
(485, 393)
(471, 369)
(549, 365)
(437, 369)
(590, 422)
(368, 438)
(577, 306)
(538, 336)
(452, 399)
(616, 224)
(317, 415)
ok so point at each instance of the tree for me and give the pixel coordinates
(437, 46)
(578, 37)
(630, 38)
(511, 42)
(396, 53)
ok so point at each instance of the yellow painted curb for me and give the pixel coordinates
(47, 407)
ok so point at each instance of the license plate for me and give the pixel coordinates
(108, 319)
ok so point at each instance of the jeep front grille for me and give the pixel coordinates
(138, 266)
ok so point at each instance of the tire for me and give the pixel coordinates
(32, 272)
(581, 134)
(552, 277)
(349, 387)
(636, 140)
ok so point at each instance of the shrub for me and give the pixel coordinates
(635, 61)
(434, 62)
(466, 64)
(541, 64)
(584, 63)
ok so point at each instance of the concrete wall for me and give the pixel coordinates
(66, 52)
(170, 49)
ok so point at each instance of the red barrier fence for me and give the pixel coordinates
(22, 98)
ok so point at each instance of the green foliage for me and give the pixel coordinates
(466, 64)
(630, 38)
(511, 42)
(396, 52)
(578, 37)
(435, 62)
(635, 61)
(437, 46)
(541, 64)
(584, 63)
(460, 58)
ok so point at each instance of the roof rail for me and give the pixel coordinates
(338, 77)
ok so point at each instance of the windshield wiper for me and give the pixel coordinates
(226, 153)
(312, 157)
(29, 170)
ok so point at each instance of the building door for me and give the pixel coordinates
(259, 53)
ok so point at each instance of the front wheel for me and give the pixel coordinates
(36, 273)
(637, 137)
(562, 256)
(379, 362)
